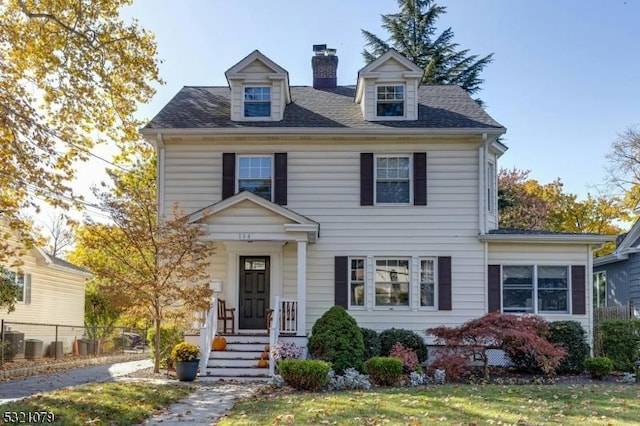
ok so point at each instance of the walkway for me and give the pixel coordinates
(206, 405)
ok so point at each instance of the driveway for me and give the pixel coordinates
(20, 388)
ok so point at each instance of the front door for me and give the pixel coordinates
(254, 292)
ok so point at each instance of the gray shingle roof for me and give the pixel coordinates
(440, 107)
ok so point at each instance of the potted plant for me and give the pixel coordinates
(186, 357)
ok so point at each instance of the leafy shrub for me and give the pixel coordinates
(371, 343)
(572, 337)
(304, 374)
(170, 336)
(384, 371)
(598, 367)
(454, 365)
(409, 339)
(621, 342)
(287, 350)
(407, 356)
(9, 351)
(522, 337)
(336, 338)
(350, 380)
(417, 379)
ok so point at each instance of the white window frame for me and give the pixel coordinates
(14, 276)
(410, 283)
(393, 101)
(535, 288)
(599, 277)
(270, 156)
(364, 282)
(375, 179)
(433, 307)
(491, 187)
(244, 101)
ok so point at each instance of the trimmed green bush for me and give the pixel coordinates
(336, 338)
(572, 337)
(170, 336)
(371, 343)
(409, 339)
(599, 367)
(621, 342)
(304, 374)
(383, 370)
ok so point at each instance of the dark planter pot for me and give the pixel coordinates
(187, 370)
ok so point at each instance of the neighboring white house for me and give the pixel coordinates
(51, 292)
(379, 197)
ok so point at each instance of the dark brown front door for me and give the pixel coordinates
(254, 292)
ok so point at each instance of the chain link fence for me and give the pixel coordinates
(32, 341)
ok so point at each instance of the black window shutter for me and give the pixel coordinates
(280, 178)
(493, 287)
(420, 178)
(228, 174)
(342, 281)
(578, 290)
(444, 283)
(366, 179)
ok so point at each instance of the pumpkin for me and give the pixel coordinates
(263, 363)
(266, 348)
(265, 355)
(219, 344)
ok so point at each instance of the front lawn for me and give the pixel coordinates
(109, 403)
(448, 404)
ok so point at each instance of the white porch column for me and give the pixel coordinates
(302, 287)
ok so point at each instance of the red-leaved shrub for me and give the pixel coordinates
(408, 357)
(514, 334)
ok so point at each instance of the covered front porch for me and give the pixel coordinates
(258, 270)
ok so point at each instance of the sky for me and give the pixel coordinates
(564, 80)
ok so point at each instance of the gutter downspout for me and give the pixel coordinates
(160, 175)
(482, 211)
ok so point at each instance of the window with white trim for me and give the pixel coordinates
(356, 282)
(257, 101)
(427, 283)
(535, 288)
(392, 282)
(390, 101)
(255, 174)
(18, 279)
(599, 289)
(491, 187)
(393, 179)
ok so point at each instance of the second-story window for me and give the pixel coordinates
(255, 175)
(257, 102)
(390, 101)
(393, 179)
(491, 187)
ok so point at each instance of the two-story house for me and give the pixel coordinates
(380, 197)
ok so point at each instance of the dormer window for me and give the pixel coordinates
(257, 101)
(390, 101)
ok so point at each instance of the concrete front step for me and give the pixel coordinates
(238, 372)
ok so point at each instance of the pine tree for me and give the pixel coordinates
(412, 32)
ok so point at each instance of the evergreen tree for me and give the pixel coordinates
(412, 32)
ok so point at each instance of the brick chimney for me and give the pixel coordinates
(325, 67)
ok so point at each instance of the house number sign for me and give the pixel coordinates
(244, 236)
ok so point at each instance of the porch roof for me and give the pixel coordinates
(284, 223)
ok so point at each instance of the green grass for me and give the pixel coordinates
(448, 404)
(110, 403)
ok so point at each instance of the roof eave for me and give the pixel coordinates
(548, 238)
(152, 132)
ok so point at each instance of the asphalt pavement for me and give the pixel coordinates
(14, 389)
